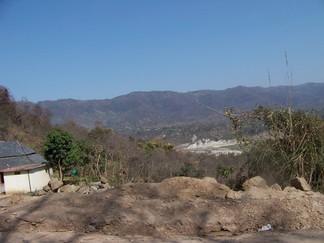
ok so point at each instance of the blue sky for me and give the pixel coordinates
(84, 49)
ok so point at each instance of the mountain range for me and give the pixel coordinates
(158, 109)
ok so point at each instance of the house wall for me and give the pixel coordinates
(39, 177)
(16, 183)
(26, 181)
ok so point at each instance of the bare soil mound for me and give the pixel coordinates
(177, 206)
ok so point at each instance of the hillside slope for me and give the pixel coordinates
(164, 108)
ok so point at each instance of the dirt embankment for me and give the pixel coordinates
(179, 206)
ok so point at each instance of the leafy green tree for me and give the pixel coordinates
(77, 155)
(59, 149)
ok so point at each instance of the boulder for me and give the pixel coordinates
(94, 188)
(256, 181)
(276, 187)
(95, 184)
(84, 190)
(300, 183)
(102, 186)
(69, 188)
(103, 180)
(40, 193)
(46, 188)
(209, 179)
(55, 184)
(106, 186)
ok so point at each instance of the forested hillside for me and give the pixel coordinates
(23, 121)
(135, 111)
(291, 141)
(102, 152)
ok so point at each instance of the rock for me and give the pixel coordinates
(300, 183)
(233, 195)
(94, 188)
(69, 188)
(265, 228)
(209, 179)
(256, 181)
(107, 186)
(101, 186)
(55, 184)
(82, 183)
(90, 228)
(95, 184)
(103, 180)
(40, 193)
(84, 190)
(276, 187)
(46, 188)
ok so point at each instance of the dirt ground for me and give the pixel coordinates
(178, 209)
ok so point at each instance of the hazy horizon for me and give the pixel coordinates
(148, 91)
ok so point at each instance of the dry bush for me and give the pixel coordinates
(292, 146)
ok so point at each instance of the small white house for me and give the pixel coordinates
(21, 169)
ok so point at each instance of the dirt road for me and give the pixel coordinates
(300, 236)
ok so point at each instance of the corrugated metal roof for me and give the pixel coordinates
(14, 148)
(15, 154)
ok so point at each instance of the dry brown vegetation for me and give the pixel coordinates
(144, 203)
(102, 152)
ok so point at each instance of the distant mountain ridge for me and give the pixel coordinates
(165, 108)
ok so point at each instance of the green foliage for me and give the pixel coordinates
(80, 152)
(190, 170)
(59, 149)
(149, 146)
(224, 172)
(77, 154)
(293, 145)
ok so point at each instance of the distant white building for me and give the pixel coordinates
(21, 169)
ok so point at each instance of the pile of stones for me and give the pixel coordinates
(57, 186)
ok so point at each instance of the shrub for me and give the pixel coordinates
(292, 144)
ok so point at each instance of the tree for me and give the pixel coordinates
(59, 149)
(33, 118)
(7, 112)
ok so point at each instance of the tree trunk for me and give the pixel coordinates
(97, 165)
(60, 170)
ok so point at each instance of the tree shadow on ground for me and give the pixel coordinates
(12, 221)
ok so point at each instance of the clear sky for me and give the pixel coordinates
(97, 49)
